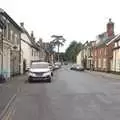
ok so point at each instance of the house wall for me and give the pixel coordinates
(118, 60)
(26, 50)
(6, 61)
(116, 57)
(11, 37)
(79, 58)
(14, 38)
(35, 54)
(103, 58)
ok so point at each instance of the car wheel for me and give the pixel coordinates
(49, 80)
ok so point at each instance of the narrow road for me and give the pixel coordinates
(71, 96)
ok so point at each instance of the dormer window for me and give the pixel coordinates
(115, 44)
(119, 43)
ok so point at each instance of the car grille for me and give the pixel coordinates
(39, 73)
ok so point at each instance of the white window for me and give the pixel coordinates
(104, 63)
(95, 53)
(11, 35)
(99, 62)
(105, 51)
(115, 44)
(100, 51)
(119, 43)
(95, 63)
(15, 39)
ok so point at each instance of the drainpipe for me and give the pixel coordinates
(2, 52)
(20, 56)
(115, 60)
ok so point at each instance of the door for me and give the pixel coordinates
(24, 66)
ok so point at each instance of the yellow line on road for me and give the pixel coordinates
(6, 110)
(9, 114)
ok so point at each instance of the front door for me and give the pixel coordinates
(24, 66)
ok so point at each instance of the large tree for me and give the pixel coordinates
(58, 41)
(72, 51)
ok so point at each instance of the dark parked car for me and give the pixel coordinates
(65, 63)
(77, 67)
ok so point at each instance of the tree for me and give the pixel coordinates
(58, 41)
(72, 51)
(50, 51)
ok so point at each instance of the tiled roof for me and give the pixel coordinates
(104, 42)
(117, 37)
(33, 44)
(2, 12)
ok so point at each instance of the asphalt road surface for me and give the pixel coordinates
(71, 96)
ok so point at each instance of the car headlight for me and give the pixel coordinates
(47, 74)
(78, 67)
(31, 74)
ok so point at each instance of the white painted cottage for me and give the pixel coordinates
(29, 49)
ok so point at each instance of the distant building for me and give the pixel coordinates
(85, 57)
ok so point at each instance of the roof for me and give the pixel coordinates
(2, 12)
(33, 44)
(104, 43)
(39, 62)
(114, 39)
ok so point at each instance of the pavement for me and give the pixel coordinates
(103, 74)
(8, 91)
(72, 95)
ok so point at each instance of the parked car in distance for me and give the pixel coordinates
(77, 67)
(57, 65)
(40, 71)
(65, 63)
(73, 67)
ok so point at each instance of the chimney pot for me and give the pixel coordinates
(22, 24)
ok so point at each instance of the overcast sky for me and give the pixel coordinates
(78, 20)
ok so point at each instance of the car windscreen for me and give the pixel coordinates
(39, 66)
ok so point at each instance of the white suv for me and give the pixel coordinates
(40, 71)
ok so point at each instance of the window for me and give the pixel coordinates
(115, 44)
(15, 39)
(95, 52)
(105, 51)
(104, 63)
(95, 64)
(99, 62)
(100, 52)
(11, 35)
(32, 52)
(119, 43)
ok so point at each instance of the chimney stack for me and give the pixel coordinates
(22, 24)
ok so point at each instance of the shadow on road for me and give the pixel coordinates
(36, 82)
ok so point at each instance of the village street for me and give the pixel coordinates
(71, 96)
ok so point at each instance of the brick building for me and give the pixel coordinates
(102, 52)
